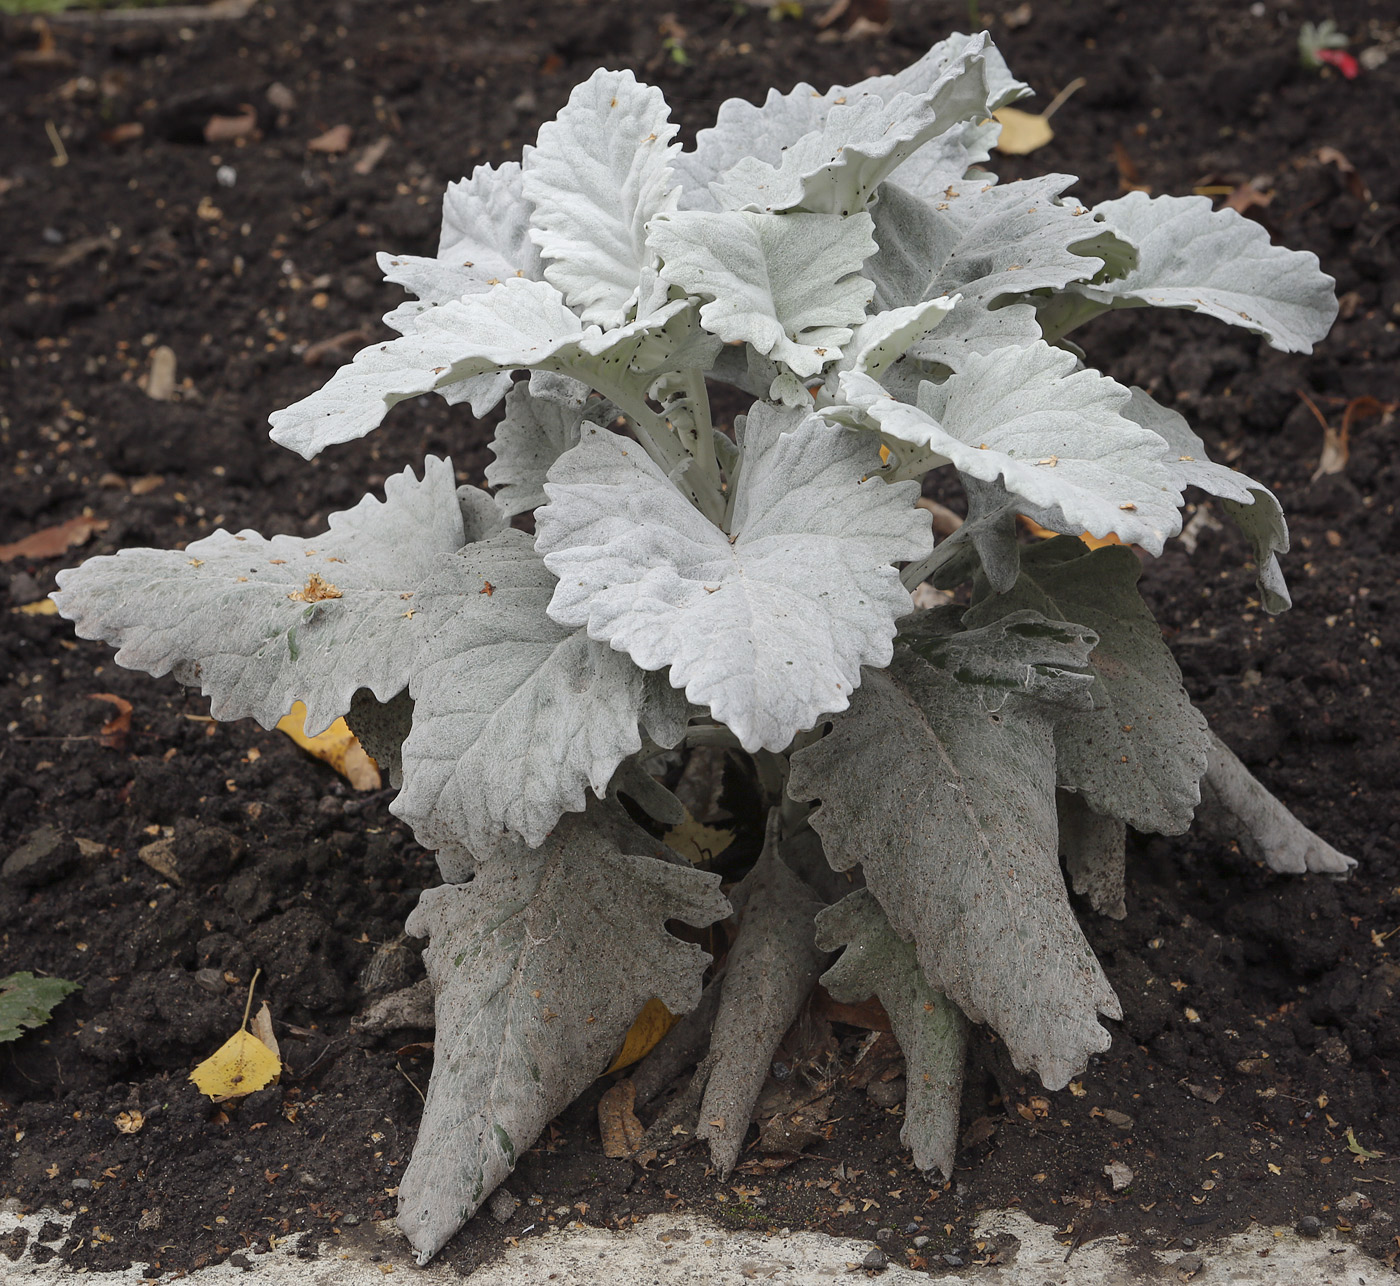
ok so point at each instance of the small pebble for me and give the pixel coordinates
(875, 1260)
(82, 1185)
(226, 176)
(954, 1261)
(920, 1242)
(885, 1094)
(911, 1228)
(885, 1236)
(502, 1205)
(350, 1220)
(1192, 1263)
(1310, 1226)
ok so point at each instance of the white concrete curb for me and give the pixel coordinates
(687, 1250)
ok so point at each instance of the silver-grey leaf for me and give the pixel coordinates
(1251, 504)
(1052, 434)
(949, 807)
(1236, 805)
(773, 966)
(769, 626)
(515, 717)
(535, 432)
(1219, 263)
(1093, 848)
(597, 176)
(539, 966)
(257, 624)
(485, 240)
(1139, 758)
(863, 138)
(788, 284)
(987, 241)
(931, 1031)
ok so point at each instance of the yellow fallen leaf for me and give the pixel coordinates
(336, 746)
(645, 1034)
(129, 1122)
(697, 843)
(44, 607)
(242, 1064)
(1021, 132)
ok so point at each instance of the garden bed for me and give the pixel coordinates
(1260, 1011)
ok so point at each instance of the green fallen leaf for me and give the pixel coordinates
(1354, 1146)
(27, 1001)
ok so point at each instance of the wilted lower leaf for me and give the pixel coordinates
(241, 1065)
(27, 1001)
(336, 746)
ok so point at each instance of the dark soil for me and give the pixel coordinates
(1261, 1018)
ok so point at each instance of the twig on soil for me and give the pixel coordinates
(170, 15)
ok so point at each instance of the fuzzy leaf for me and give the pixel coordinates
(257, 624)
(920, 76)
(539, 426)
(931, 1031)
(1252, 505)
(27, 1001)
(950, 808)
(742, 130)
(597, 176)
(768, 629)
(485, 240)
(988, 242)
(1093, 849)
(1020, 654)
(788, 284)
(1141, 756)
(1236, 805)
(1219, 263)
(773, 966)
(514, 716)
(862, 139)
(538, 966)
(515, 325)
(1055, 436)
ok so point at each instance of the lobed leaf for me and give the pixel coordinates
(931, 1031)
(1139, 757)
(789, 284)
(542, 421)
(949, 807)
(596, 177)
(1252, 505)
(863, 138)
(485, 240)
(28, 1002)
(1055, 436)
(518, 324)
(539, 966)
(1219, 263)
(769, 626)
(515, 716)
(257, 624)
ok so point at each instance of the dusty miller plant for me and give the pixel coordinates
(844, 259)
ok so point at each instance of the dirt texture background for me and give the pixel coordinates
(1260, 1011)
